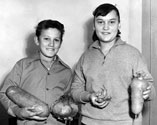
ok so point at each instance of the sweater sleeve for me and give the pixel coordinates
(13, 79)
(141, 66)
(78, 85)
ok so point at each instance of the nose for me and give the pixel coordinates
(106, 26)
(51, 43)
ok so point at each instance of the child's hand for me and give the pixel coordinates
(147, 92)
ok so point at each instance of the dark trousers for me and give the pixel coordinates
(82, 124)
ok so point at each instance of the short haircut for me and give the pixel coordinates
(46, 24)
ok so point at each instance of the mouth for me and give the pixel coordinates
(50, 49)
(105, 33)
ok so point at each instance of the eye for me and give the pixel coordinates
(100, 22)
(111, 22)
(57, 40)
(46, 38)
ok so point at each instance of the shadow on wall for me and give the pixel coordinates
(88, 32)
(3, 116)
(5, 119)
(31, 47)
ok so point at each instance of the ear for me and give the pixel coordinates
(119, 26)
(93, 28)
(36, 41)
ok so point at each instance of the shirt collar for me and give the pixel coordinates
(96, 44)
(37, 57)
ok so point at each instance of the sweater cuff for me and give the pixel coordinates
(84, 97)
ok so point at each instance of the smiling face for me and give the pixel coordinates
(49, 42)
(106, 27)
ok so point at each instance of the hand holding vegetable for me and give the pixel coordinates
(26, 113)
(139, 91)
(94, 101)
(29, 104)
(146, 93)
(38, 118)
(145, 76)
(64, 108)
(100, 99)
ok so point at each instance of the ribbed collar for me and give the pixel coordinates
(96, 44)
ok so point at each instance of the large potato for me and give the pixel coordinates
(137, 87)
(24, 99)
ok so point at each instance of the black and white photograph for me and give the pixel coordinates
(78, 62)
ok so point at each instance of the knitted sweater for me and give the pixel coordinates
(114, 71)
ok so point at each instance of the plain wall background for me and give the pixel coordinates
(18, 19)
